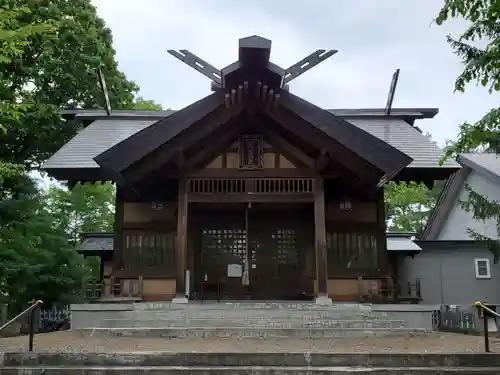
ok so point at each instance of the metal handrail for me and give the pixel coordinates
(30, 310)
(480, 305)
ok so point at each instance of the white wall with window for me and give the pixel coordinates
(454, 273)
(482, 268)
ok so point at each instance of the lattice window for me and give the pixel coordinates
(250, 150)
(147, 250)
(286, 246)
(351, 251)
(224, 246)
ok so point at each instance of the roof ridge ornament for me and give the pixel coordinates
(307, 63)
(253, 65)
(104, 89)
(205, 68)
(392, 92)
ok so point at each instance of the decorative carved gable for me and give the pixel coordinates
(250, 152)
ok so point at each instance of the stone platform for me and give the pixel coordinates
(297, 320)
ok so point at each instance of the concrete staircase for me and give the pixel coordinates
(248, 320)
(248, 364)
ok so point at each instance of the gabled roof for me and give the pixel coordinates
(96, 243)
(107, 131)
(96, 138)
(132, 149)
(486, 164)
(255, 86)
(381, 154)
(209, 114)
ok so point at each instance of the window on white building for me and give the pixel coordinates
(482, 268)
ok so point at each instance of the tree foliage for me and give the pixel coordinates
(408, 206)
(141, 103)
(479, 48)
(37, 260)
(50, 52)
(53, 52)
(85, 208)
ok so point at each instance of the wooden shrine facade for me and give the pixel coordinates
(250, 193)
(260, 219)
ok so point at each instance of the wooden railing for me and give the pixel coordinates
(387, 291)
(250, 185)
(113, 288)
(486, 312)
(30, 313)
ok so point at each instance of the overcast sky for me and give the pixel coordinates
(373, 38)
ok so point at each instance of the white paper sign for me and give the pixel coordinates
(234, 270)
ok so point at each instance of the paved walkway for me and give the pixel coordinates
(74, 341)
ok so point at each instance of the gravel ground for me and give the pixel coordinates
(74, 341)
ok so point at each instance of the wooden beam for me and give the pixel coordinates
(194, 134)
(151, 139)
(213, 148)
(383, 256)
(301, 128)
(251, 198)
(323, 160)
(181, 248)
(238, 173)
(118, 229)
(292, 153)
(363, 145)
(180, 159)
(320, 237)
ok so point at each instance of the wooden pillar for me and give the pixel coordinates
(382, 256)
(101, 266)
(320, 239)
(118, 229)
(181, 248)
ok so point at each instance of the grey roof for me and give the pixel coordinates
(96, 242)
(486, 164)
(94, 114)
(96, 138)
(404, 137)
(104, 133)
(402, 244)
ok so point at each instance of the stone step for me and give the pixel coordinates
(250, 370)
(252, 333)
(245, 359)
(251, 323)
(301, 306)
(263, 314)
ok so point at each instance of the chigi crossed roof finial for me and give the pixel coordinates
(253, 59)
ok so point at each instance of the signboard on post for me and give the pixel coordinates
(392, 91)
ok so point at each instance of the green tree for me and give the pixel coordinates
(479, 48)
(82, 209)
(46, 71)
(141, 103)
(408, 205)
(37, 260)
(50, 52)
